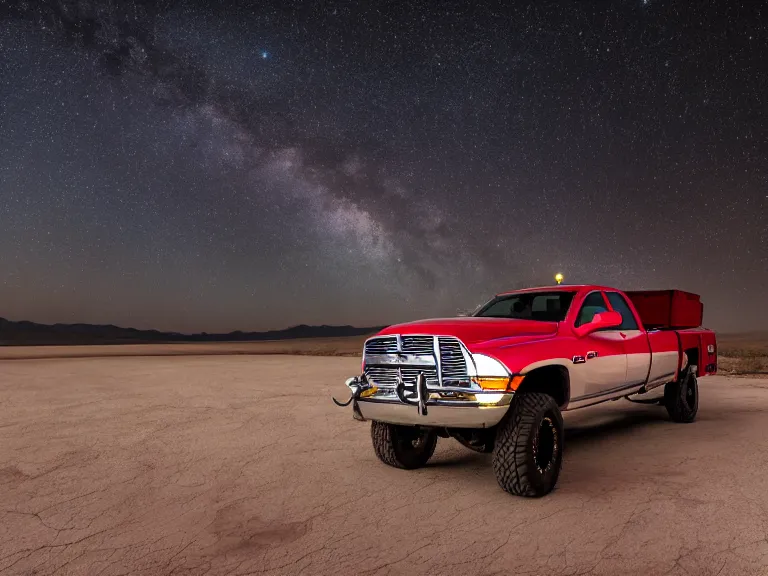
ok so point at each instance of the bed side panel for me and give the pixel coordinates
(665, 357)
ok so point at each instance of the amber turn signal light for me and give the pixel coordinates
(502, 383)
(370, 392)
(492, 382)
(514, 384)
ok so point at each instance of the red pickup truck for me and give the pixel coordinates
(498, 380)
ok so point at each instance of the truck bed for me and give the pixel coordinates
(667, 308)
(698, 343)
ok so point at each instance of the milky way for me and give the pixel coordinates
(258, 165)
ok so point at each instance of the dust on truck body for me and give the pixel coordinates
(498, 380)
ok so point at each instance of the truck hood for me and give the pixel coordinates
(473, 330)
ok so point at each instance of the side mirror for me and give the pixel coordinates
(600, 321)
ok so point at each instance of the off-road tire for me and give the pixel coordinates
(681, 397)
(394, 445)
(532, 426)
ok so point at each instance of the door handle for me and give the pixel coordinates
(591, 354)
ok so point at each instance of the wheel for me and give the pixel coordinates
(528, 453)
(405, 447)
(681, 397)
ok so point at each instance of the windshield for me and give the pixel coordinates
(542, 306)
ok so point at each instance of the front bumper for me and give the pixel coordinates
(440, 407)
(464, 414)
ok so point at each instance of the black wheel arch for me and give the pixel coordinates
(693, 357)
(552, 379)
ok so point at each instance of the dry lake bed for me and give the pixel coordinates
(242, 465)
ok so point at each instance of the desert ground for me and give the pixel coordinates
(241, 464)
(349, 346)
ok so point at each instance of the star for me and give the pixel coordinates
(407, 164)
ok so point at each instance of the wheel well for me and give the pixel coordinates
(552, 380)
(693, 357)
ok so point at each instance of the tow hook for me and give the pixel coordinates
(419, 393)
(359, 387)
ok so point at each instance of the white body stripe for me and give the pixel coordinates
(663, 368)
(604, 378)
(637, 367)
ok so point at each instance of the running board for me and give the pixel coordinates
(646, 400)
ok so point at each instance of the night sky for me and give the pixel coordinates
(257, 165)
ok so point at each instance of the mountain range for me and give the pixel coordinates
(21, 333)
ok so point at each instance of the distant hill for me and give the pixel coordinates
(25, 333)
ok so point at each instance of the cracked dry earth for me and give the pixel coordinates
(242, 465)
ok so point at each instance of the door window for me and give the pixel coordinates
(620, 305)
(593, 304)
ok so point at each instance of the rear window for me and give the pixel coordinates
(541, 306)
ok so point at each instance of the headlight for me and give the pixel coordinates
(491, 374)
(490, 398)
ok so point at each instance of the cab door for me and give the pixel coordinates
(636, 344)
(600, 362)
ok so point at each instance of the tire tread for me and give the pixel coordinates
(385, 447)
(673, 398)
(510, 457)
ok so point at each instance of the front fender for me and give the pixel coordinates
(523, 357)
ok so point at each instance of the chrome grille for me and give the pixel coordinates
(452, 364)
(387, 375)
(382, 375)
(422, 351)
(418, 344)
(381, 345)
(410, 374)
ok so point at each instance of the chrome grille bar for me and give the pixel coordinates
(418, 344)
(381, 345)
(452, 362)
